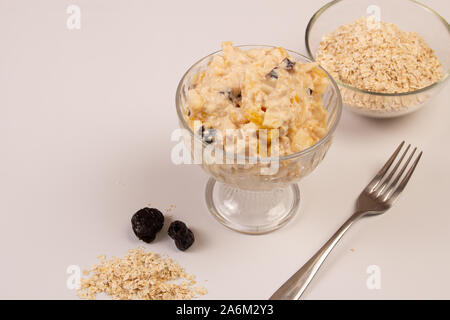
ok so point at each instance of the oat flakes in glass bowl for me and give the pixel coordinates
(383, 54)
(254, 194)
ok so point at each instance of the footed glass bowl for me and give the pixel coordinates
(255, 195)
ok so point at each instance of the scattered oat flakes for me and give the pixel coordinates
(200, 290)
(139, 275)
(170, 208)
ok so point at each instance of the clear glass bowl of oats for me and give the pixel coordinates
(389, 58)
(250, 193)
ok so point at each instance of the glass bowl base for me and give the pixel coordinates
(252, 212)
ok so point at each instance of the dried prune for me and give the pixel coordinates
(235, 98)
(185, 241)
(288, 64)
(201, 130)
(207, 135)
(232, 95)
(146, 223)
(183, 236)
(176, 229)
(272, 74)
(148, 238)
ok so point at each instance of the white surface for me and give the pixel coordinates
(85, 125)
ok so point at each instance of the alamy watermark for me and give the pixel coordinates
(374, 16)
(73, 281)
(74, 19)
(373, 282)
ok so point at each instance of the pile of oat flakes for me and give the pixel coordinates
(139, 275)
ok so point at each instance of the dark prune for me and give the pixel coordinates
(183, 237)
(176, 229)
(288, 64)
(148, 238)
(235, 98)
(146, 223)
(232, 96)
(207, 135)
(200, 130)
(185, 241)
(272, 74)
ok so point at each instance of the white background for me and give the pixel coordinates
(85, 124)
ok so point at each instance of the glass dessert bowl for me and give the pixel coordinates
(408, 15)
(247, 193)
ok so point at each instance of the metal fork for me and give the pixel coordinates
(375, 199)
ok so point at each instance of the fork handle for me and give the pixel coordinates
(293, 288)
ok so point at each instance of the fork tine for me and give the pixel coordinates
(397, 178)
(376, 180)
(391, 174)
(405, 180)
